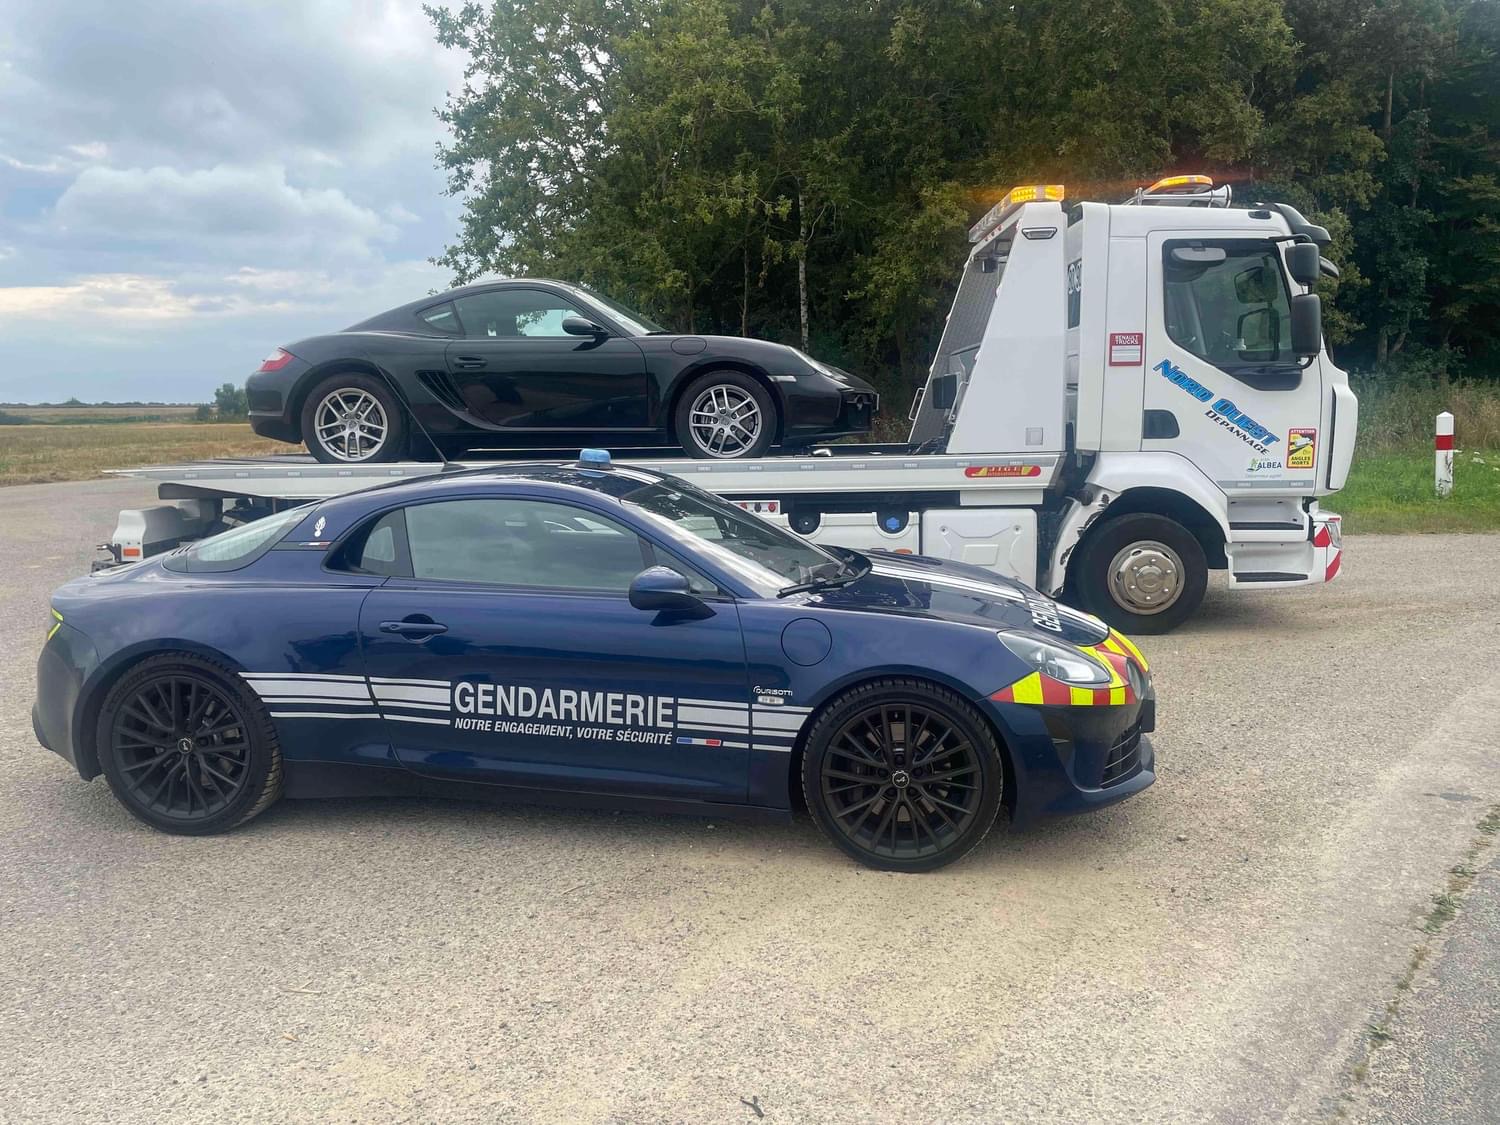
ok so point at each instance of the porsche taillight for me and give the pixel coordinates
(277, 360)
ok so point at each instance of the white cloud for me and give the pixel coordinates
(235, 209)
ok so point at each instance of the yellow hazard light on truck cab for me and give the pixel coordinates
(1171, 182)
(1027, 193)
(56, 624)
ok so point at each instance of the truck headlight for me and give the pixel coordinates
(1060, 662)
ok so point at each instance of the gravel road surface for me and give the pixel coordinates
(1211, 950)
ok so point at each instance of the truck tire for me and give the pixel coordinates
(902, 775)
(186, 747)
(1142, 573)
(351, 418)
(725, 415)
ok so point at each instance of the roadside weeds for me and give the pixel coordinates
(1444, 909)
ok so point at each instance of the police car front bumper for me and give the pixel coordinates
(1068, 759)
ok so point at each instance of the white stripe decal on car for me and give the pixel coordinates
(419, 719)
(309, 687)
(323, 715)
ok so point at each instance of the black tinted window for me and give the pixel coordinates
(513, 312)
(522, 543)
(442, 318)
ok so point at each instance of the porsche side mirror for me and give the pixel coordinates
(661, 588)
(582, 326)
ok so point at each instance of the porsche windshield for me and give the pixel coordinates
(764, 556)
(633, 321)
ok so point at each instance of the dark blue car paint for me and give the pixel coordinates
(775, 661)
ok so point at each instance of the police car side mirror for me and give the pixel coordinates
(661, 588)
(1307, 325)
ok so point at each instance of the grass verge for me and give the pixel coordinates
(1393, 492)
(35, 454)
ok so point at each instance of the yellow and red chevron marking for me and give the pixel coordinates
(1114, 652)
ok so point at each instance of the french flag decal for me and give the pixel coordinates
(681, 741)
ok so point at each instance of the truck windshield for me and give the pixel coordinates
(1227, 302)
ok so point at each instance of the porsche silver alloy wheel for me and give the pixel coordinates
(351, 424)
(725, 420)
(1146, 577)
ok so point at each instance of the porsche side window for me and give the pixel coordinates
(1227, 303)
(442, 318)
(505, 313)
(522, 543)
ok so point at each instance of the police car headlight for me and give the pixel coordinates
(1058, 661)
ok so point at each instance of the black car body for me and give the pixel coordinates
(541, 364)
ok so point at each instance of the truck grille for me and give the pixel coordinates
(1124, 756)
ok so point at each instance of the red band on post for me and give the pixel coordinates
(1444, 441)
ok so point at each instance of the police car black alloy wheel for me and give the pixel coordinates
(186, 749)
(903, 775)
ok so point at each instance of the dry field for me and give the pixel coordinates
(36, 454)
(85, 414)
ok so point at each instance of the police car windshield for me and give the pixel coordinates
(763, 556)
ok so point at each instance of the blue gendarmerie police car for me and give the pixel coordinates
(594, 634)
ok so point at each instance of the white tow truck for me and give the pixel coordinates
(1125, 396)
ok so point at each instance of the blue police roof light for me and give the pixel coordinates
(594, 459)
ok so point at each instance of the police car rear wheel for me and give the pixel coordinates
(903, 775)
(1142, 573)
(185, 748)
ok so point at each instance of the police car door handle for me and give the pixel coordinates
(415, 629)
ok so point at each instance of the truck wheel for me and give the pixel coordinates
(725, 414)
(902, 775)
(352, 418)
(186, 748)
(1142, 573)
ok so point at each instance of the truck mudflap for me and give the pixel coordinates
(1310, 562)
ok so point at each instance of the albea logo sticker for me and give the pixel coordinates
(1003, 471)
(1127, 349)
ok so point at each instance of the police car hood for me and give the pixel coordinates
(915, 586)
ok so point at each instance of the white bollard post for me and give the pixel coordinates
(1443, 452)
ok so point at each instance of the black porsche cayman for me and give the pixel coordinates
(540, 364)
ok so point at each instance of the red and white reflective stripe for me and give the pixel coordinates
(1443, 455)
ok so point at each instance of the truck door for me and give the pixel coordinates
(1222, 385)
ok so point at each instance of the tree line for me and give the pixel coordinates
(806, 170)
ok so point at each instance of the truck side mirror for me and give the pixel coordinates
(1303, 263)
(1307, 325)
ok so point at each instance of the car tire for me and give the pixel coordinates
(351, 418)
(186, 747)
(713, 411)
(896, 805)
(1142, 573)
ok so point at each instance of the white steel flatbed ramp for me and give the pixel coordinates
(1022, 479)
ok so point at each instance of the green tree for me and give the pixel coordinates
(230, 402)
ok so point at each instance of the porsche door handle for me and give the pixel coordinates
(417, 630)
(469, 362)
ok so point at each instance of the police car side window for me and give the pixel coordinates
(379, 548)
(526, 543)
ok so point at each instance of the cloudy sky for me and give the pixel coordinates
(185, 184)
